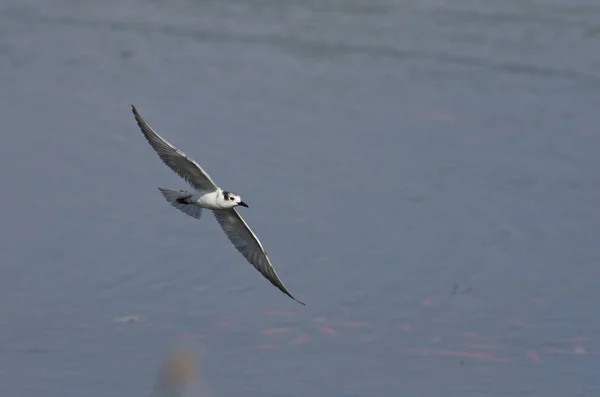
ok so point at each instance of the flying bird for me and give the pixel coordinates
(207, 195)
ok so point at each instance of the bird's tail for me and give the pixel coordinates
(180, 199)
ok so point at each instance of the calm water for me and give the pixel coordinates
(424, 174)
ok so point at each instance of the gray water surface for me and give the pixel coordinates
(424, 174)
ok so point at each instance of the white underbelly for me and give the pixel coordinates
(209, 201)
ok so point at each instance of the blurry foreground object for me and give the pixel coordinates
(176, 374)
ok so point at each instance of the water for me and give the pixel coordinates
(424, 174)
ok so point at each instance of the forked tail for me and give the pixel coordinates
(180, 199)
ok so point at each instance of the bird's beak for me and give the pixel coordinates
(243, 204)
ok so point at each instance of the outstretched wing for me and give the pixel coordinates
(178, 161)
(246, 242)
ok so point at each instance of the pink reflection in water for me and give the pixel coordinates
(274, 331)
(405, 327)
(350, 324)
(471, 335)
(327, 330)
(300, 339)
(579, 350)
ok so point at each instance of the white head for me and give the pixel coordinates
(232, 200)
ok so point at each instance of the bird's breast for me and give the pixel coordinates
(210, 201)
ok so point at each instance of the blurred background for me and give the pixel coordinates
(177, 374)
(423, 174)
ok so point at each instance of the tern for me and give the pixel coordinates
(208, 195)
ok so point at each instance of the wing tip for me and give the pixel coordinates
(282, 288)
(299, 301)
(134, 111)
(139, 120)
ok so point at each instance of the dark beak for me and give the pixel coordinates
(243, 204)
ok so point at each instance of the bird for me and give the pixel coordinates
(207, 195)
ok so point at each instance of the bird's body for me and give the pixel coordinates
(214, 200)
(207, 195)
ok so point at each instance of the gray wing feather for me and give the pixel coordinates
(175, 159)
(248, 245)
(190, 209)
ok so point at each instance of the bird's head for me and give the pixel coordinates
(232, 200)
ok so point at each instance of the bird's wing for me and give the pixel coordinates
(247, 243)
(178, 161)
